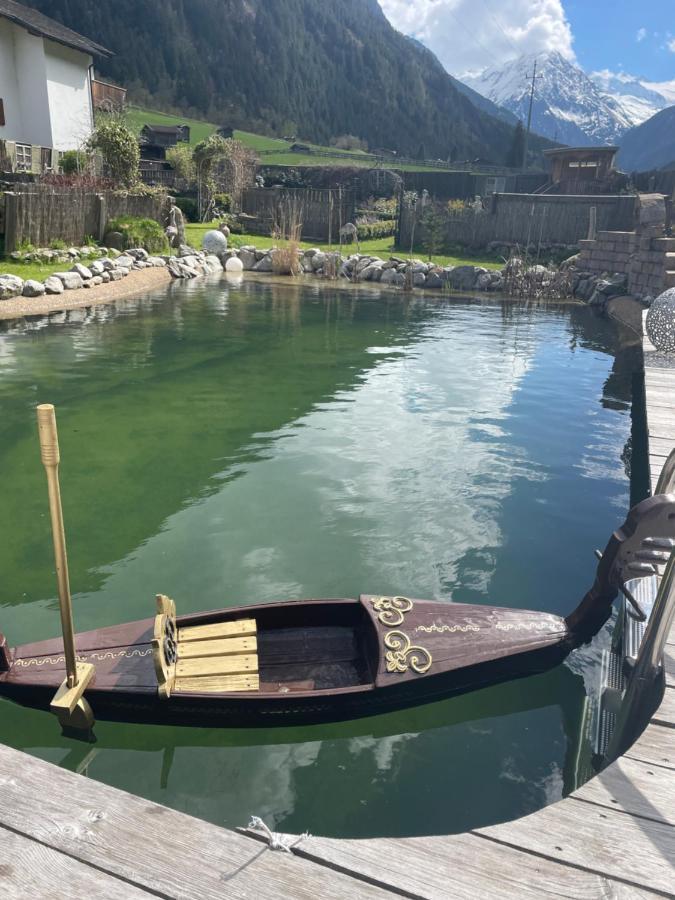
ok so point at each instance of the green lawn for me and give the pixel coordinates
(383, 247)
(138, 116)
(38, 271)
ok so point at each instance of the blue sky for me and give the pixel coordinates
(617, 35)
(623, 35)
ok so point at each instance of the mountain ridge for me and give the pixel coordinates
(301, 66)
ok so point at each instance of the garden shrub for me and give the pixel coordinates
(188, 206)
(138, 232)
(384, 228)
(72, 162)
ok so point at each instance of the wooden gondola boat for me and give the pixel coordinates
(311, 660)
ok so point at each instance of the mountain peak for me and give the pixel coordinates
(569, 105)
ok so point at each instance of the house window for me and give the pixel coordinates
(24, 157)
(2, 112)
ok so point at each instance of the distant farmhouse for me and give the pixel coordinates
(155, 140)
(46, 89)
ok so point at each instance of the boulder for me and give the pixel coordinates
(10, 286)
(318, 260)
(388, 276)
(84, 272)
(213, 264)
(53, 285)
(97, 267)
(247, 258)
(419, 279)
(434, 280)
(114, 239)
(97, 279)
(214, 242)
(157, 262)
(138, 253)
(484, 281)
(264, 264)
(71, 280)
(463, 278)
(105, 277)
(32, 288)
(117, 274)
(124, 261)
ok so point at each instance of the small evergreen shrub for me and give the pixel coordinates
(188, 206)
(384, 228)
(72, 162)
(138, 232)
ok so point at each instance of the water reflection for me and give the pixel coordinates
(237, 443)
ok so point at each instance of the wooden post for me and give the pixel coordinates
(69, 696)
(592, 223)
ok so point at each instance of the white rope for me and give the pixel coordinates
(275, 841)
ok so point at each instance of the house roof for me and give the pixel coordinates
(36, 23)
(161, 129)
(567, 151)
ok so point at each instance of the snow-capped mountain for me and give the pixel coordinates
(569, 106)
(637, 100)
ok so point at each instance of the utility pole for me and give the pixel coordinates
(533, 76)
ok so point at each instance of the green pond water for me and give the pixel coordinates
(227, 443)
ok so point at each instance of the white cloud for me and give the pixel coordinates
(471, 35)
(671, 45)
(641, 34)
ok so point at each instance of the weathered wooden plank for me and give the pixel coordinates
(665, 714)
(669, 664)
(217, 684)
(656, 745)
(600, 840)
(220, 647)
(463, 867)
(156, 848)
(240, 628)
(28, 869)
(227, 665)
(634, 787)
(661, 446)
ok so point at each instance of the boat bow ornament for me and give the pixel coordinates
(401, 654)
(391, 610)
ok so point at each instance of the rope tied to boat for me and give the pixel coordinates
(274, 840)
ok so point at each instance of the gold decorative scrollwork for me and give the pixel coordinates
(391, 609)
(401, 654)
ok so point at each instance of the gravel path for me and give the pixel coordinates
(136, 282)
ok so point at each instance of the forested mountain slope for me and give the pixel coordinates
(320, 68)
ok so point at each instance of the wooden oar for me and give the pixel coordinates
(69, 704)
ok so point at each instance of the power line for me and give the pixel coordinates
(499, 26)
(534, 77)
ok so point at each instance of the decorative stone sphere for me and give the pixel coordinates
(234, 265)
(214, 242)
(660, 323)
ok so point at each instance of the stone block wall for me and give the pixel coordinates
(643, 256)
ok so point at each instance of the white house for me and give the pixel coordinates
(46, 75)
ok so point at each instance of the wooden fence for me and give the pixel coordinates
(320, 212)
(523, 219)
(38, 215)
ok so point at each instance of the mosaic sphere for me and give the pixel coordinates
(660, 322)
(214, 242)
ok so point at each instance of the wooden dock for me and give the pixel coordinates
(65, 836)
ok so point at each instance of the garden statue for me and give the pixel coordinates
(348, 233)
(224, 229)
(660, 322)
(175, 230)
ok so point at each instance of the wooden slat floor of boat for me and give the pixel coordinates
(238, 628)
(225, 665)
(216, 684)
(217, 647)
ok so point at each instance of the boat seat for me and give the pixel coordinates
(215, 658)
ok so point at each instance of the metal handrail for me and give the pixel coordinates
(649, 663)
(666, 482)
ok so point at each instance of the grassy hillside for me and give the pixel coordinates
(138, 116)
(309, 67)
